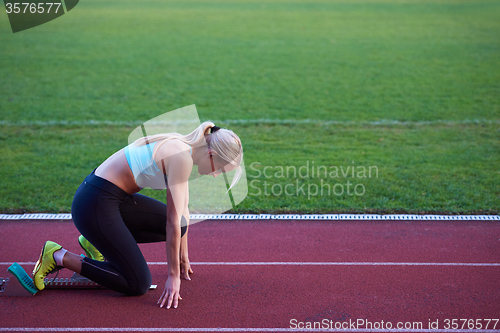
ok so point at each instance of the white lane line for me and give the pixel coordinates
(383, 122)
(238, 329)
(243, 263)
(302, 217)
(327, 263)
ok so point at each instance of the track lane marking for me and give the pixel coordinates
(281, 263)
(284, 217)
(164, 329)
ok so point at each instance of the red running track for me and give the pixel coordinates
(331, 272)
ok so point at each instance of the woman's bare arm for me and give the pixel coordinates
(184, 258)
(178, 171)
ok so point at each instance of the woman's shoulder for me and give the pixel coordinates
(174, 146)
(174, 150)
(175, 161)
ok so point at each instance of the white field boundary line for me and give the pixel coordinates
(239, 329)
(268, 121)
(316, 217)
(309, 263)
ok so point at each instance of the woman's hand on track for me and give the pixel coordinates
(186, 269)
(171, 294)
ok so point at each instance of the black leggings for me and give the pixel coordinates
(114, 222)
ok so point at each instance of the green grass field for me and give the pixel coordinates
(409, 88)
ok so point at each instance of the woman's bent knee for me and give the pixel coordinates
(141, 290)
(141, 287)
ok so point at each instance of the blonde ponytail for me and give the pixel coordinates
(228, 146)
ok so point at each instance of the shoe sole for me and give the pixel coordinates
(38, 265)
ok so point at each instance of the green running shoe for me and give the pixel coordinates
(45, 264)
(89, 249)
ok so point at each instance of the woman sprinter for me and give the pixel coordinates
(113, 218)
